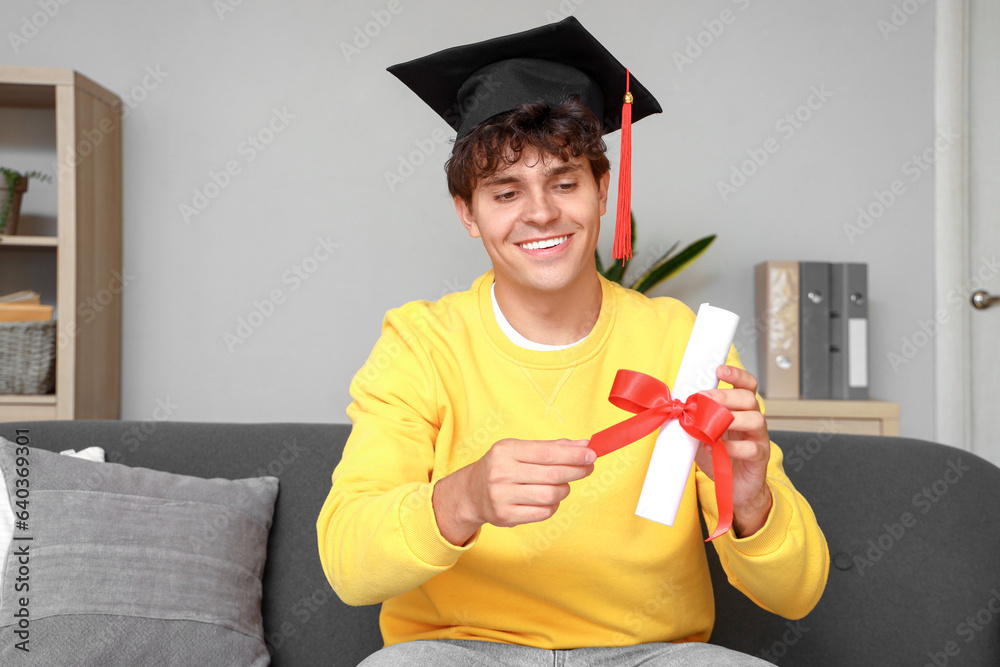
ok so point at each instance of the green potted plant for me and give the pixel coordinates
(667, 265)
(12, 186)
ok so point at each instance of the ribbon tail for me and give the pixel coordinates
(625, 433)
(722, 469)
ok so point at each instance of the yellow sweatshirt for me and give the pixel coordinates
(443, 384)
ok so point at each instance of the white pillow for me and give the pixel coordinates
(95, 454)
(7, 512)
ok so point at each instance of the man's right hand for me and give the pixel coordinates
(517, 481)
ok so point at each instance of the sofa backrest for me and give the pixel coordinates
(304, 621)
(912, 528)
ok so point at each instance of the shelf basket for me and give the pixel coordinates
(27, 357)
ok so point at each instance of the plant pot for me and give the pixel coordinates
(13, 212)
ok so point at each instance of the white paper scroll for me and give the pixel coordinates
(674, 452)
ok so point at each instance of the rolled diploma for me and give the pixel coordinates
(674, 451)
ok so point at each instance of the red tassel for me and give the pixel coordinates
(623, 221)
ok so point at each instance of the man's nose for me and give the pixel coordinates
(539, 208)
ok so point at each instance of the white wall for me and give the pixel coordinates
(201, 80)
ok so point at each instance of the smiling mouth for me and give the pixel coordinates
(541, 245)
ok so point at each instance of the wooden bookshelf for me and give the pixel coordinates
(87, 245)
(861, 417)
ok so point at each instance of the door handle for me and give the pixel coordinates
(982, 300)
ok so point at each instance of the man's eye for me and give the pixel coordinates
(566, 186)
(504, 196)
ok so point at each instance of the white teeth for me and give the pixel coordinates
(547, 243)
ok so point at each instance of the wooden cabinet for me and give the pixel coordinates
(862, 417)
(85, 252)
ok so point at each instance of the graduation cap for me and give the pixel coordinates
(470, 84)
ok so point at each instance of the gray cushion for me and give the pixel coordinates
(305, 623)
(127, 565)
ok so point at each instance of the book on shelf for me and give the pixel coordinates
(23, 306)
(24, 296)
(29, 312)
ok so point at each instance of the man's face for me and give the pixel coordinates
(539, 220)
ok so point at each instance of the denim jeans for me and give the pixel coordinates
(471, 653)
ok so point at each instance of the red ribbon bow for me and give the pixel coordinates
(699, 416)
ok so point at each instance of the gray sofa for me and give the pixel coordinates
(913, 529)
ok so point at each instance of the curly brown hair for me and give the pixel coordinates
(568, 130)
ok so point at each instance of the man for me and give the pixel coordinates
(467, 500)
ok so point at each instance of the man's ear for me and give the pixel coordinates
(602, 191)
(468, 220)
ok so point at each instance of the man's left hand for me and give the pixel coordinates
(749, 448)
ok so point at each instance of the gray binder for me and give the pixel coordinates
(814, 329)
(849, 331)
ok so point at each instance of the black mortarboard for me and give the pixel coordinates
(468, 84)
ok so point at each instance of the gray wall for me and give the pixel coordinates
(303, 78)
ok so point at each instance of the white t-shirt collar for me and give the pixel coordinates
(517, 338)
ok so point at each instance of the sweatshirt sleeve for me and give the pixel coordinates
(377, 533)
(782, 567)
